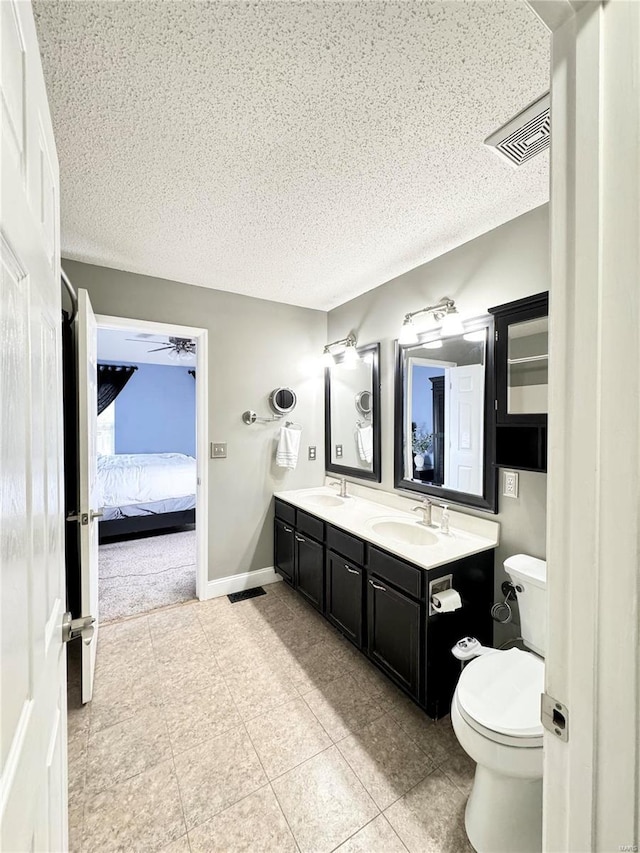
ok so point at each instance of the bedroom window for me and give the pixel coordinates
(106, 441)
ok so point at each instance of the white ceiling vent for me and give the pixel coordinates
(525, 135)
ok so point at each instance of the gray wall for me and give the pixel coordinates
(254, 346)
(507, 263)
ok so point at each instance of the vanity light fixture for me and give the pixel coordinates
(343, 345)
(475, 337)
(444, 313)
(437, 344)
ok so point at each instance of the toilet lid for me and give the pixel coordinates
(502, 691)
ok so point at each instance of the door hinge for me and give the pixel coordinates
(495, 405)
(555, 717)
(72, 629)
(496, 335)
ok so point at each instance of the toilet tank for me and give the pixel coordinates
(530, 574)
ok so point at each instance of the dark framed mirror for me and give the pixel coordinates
(444, 438)
(352, 415)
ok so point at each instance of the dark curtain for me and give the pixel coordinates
(111, 380)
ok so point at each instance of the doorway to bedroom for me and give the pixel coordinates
(151, 553)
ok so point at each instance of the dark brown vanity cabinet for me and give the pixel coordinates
(284, 550)
(299, 557)
(343, 596)
(309, 569)
(393, 634)
(380, 602)
(522, 378)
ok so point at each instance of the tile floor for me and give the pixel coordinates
(255, 727)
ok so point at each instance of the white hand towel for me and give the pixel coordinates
(364, 437)
(288, 447)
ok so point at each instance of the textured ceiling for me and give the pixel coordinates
(303, 152)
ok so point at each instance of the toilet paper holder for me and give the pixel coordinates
(438, 585)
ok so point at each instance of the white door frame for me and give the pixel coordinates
(592, 781)
(126, 324)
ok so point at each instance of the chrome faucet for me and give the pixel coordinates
(425, 508)
(342, 485)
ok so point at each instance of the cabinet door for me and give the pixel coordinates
(310, 569)
(284, 550)
(522, 362)
(344, 602)
(393, 628)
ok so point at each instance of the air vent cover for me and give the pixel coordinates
(524, 136)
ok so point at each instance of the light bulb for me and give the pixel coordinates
(475, 336)
(327, 359)
(408, 333)
(351, 357)
(451, 324)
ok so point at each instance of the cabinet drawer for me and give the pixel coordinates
(345, 544)
(285, 511)
(310, 525)
(397, 572)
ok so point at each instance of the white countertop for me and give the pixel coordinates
(469, 534)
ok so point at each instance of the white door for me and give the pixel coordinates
(88, 496)
(464, 408)
(33, 710)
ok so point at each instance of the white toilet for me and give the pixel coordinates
(496, 717)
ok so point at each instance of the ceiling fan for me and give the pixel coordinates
(178, 349)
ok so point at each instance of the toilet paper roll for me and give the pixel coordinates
(446, 601)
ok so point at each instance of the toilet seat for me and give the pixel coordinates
(499, 695)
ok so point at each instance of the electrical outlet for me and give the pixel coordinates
(509, 484)
(312, 453)
(338, 451)
(219, 450)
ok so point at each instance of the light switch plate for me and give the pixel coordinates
(338, 451)
(219, 450)
(312, 453)
(509, 484)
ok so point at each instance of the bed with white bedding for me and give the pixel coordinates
(146, 491)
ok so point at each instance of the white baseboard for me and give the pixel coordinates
(237, 583)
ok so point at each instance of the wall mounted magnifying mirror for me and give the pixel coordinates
(445, 417)
(364, 403)
(352, 414)
(283, 400)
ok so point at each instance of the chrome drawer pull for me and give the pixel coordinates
(287, 529)
(377, 586)
(350, 570)
(300, 539)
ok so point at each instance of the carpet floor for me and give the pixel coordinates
(139, 575)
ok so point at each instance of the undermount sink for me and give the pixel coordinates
(324, 500)
(407, 532)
